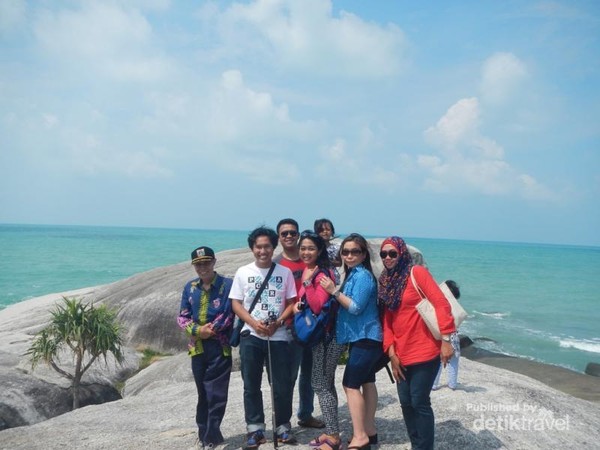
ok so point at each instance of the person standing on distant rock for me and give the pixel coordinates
(264, 329)
(455, 341)
(413, 351)
(287, 230)
(206, 317)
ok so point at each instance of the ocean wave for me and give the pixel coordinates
(585, 345)
(495, 315)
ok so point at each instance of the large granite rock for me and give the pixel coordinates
(148, 304)
(491, 409)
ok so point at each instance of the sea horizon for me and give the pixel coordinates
(367, 235)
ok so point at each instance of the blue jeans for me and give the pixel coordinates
(452, 364)
(302, 362)
(211, 373)
(253, 356)
(415, 402)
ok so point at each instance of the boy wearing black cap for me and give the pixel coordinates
(206, 317)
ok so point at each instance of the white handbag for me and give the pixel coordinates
(427, 311)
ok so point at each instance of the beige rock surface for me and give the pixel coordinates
(492, 409)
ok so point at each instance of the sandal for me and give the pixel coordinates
(373, 440)
(331, 445)
(318, 441)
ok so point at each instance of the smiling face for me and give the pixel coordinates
(263, 251)
(288, 236)
(352, 254)
(308, 252)
(326, 232)
(205, 269)
(389, 256)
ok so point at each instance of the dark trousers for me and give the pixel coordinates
(211, 372)
(302, 361)
(416, 404)
(253, 356)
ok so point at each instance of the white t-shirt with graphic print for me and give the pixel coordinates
(281, 287)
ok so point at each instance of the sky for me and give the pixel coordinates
(476, 120)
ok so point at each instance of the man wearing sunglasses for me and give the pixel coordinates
(287, 230)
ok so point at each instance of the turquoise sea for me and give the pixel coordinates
(530, 300)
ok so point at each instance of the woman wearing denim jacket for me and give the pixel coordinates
(358, 325)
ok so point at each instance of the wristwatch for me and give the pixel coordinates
(446, 338)
(336, 294)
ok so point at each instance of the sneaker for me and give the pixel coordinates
(255, 439)
(286, 438)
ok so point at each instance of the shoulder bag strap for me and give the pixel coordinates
(262, 288)
(419, 291)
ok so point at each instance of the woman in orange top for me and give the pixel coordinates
(414, 353)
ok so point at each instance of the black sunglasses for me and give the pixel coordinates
(353, 252)
(287, 233)
(392, 254)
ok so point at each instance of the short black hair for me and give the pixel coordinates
(287, 221)
(262, 231)
(318, 226)
(453, 288)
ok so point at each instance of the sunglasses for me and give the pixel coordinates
(308, 234)
(353, 252)
(287, 233)
(392, 254)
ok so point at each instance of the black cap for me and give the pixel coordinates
(202, 254)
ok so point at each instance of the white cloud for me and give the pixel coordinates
(89, 154)
(232, 125)
(350, 165)
(304, 35)
(457, 126)
(102, 38)
(12, 14)
(469, 161)
(237, 113)
(502, 74)
(50, 120)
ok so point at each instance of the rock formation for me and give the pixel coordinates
(158, 404)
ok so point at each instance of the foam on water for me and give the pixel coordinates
(495, 315)
(591, 346)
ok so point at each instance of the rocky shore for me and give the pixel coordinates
(492, 408)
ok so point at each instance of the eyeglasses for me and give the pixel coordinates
(392, 254)
(287, 233)
(353, 252)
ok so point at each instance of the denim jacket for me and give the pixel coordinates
(361, 320)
